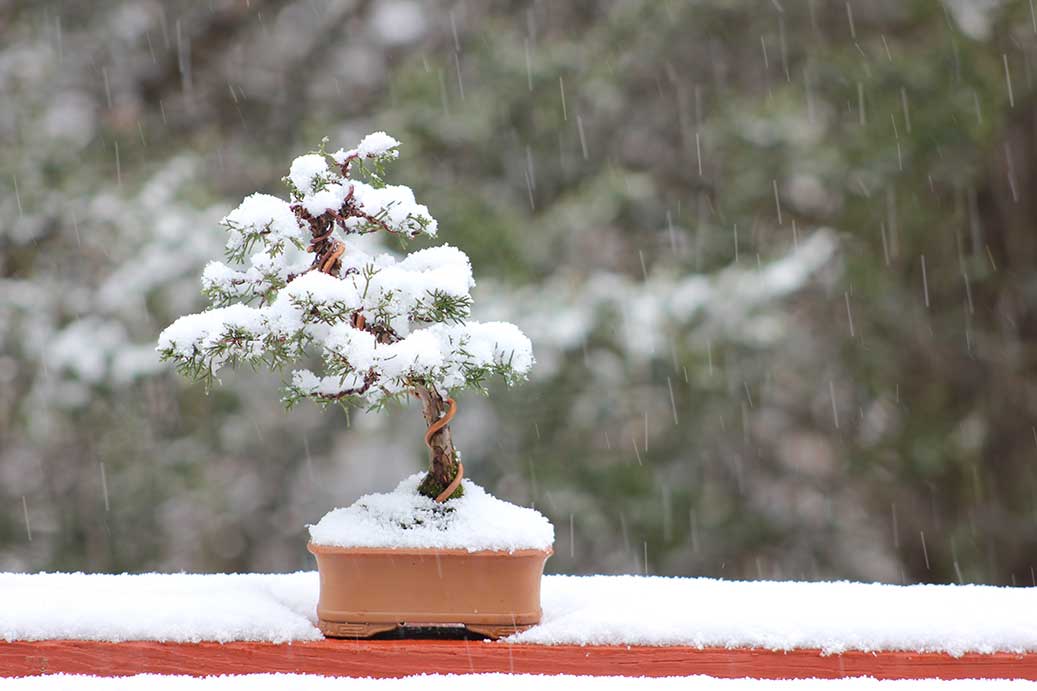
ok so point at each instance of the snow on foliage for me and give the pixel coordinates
(405, 519)
(258, 215)
(381, 325)
(373, 145)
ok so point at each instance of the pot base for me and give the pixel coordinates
(339, 629)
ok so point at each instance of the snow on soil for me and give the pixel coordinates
(593, 609)
(405, 519)
(498, 682)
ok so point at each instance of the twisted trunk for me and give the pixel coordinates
(442, 456)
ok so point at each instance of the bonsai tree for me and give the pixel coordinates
(295, 288)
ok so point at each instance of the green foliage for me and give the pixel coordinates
(443, 307)
(235, 346)
(372, 170)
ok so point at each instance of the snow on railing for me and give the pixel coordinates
(238, 623)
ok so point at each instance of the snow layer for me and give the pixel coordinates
(308, 172)
(403, 518)
(620, 610)
(205, 330)
(783, 615)
(498, 682)
(373, 145)
(395, 206)
(262, 213)
(445, 353)
(391, 207)
(406, 291)
(376, 144)
(407, 284)
(159, 607)
(331, 197)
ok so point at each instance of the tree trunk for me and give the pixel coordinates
(442, 456)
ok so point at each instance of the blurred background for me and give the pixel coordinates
(777, 260)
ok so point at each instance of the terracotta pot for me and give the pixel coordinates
(367, 590)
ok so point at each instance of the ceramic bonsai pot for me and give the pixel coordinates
(366, 590)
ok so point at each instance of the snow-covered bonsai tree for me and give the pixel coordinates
(295, 287)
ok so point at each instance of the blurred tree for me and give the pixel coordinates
(724, 386)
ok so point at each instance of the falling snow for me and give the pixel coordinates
(775, 262)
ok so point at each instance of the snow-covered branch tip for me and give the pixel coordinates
(293, 286)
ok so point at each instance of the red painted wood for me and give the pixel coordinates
(401, 658)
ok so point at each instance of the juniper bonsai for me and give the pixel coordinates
(295, 288)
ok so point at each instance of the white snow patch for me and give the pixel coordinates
(307, 381)
(784, 615)
(405, 519)
(376, 144)
(331, 197)
(442, 269)
(490, 343)
(498, 682)
(308, 172)
(158, 607)
(206, 329)
(318, 288)
(447, 353)
(418, 354)
(372, 146)
(263, 212)
(393, 205)
(616, 610)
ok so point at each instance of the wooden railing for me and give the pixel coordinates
(397, 658)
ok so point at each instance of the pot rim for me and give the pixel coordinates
(427, 551)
